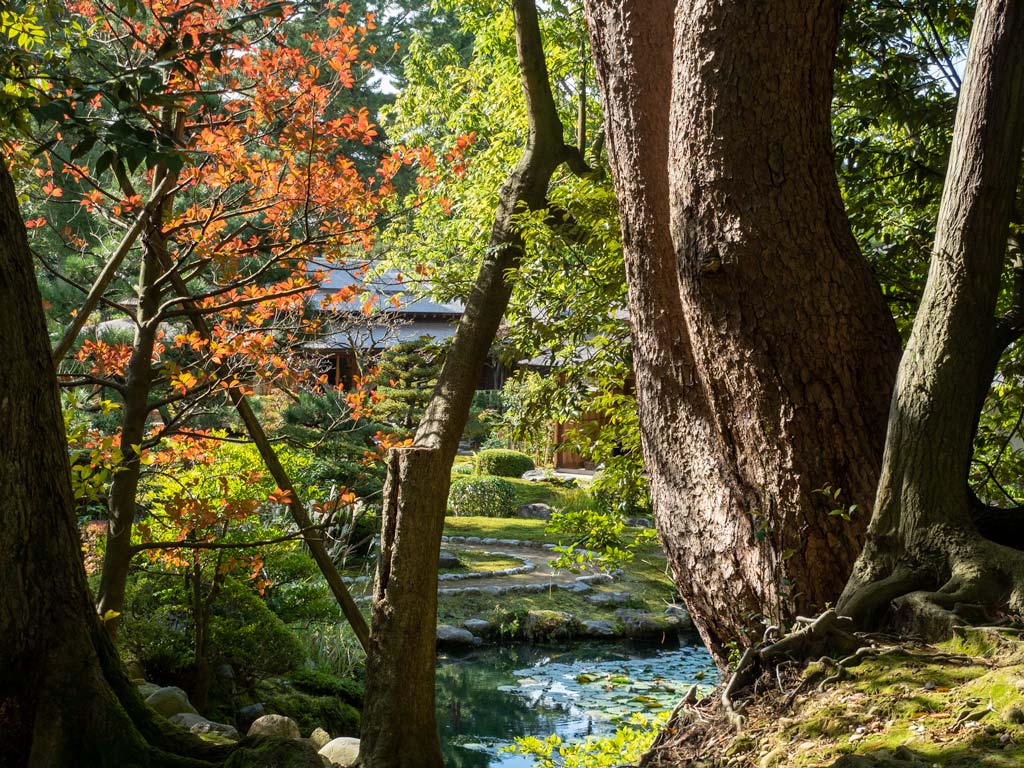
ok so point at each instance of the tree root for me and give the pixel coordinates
(827, 632)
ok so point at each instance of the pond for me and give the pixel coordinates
(486, 697)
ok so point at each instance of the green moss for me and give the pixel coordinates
(322, 683)
(262, 752)
(324, 708)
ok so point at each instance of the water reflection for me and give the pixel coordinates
(486, 697)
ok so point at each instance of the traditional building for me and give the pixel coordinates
(369, 312)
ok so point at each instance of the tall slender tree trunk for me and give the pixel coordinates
(924, 550)
(124, 486)
(399, 729)
(64, 697)
(764, 351)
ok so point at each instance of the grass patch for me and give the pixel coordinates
(499, 528)
(482, 562)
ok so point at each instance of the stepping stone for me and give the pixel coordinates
(448, 635)
(609, 598)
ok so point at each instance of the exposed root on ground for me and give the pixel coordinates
(818, 661)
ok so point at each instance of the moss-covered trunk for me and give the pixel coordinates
(922, 535)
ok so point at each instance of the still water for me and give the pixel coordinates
(487, 697)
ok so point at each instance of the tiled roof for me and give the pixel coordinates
(383, 288)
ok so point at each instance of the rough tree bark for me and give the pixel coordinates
(65, 699)
(764, 352)
(398, 726)
(924, 554)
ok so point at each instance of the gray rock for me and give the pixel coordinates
(146, 689)
(198, 724)
(609, 598)
(275, 725)
(576, 587)
(170, 701)
(448, 560)
(598, 629)
(638, 623)
(319, 738)
(533, 475)
(454, 636)
(225, 671)
(639, 522)
(595, 578)
(493, 590)
(479, 627)
(489, 541)
(680, 612)
(537, 511)
(342, 752)
(246, 715)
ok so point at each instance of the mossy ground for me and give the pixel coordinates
(957, 705)
(482, 562)
(644, 578)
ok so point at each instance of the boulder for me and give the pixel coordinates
(245, 716)
(275, 725)
(448, 635)
(147, 689)
(448, 560)
(597, 629)
(609, 598)
(536, 475)
(170, 701)
(199, 725)
(680, 612)
(536, 511)
(639, 522)
(637, 623)
(479, 627)
(319, 738)
(342, 752)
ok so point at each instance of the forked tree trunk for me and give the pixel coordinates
(764, 351)
(399, 728)
(922, 536)
(65, 699)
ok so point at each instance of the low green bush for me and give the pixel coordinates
(159, 631)
(462, 469)
(503, 463)
(481, 497)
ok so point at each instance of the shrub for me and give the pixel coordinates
(481, 496)
(503, 463)
(582, 521)
(159, 631)
(462, 469)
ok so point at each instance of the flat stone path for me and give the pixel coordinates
(542, 576)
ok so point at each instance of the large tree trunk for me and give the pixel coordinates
(65, 699)
(399, 728)
(922, 535)
(764, 351)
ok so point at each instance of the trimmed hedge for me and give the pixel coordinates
(481, 496)
(503, 463)
(463, 469)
